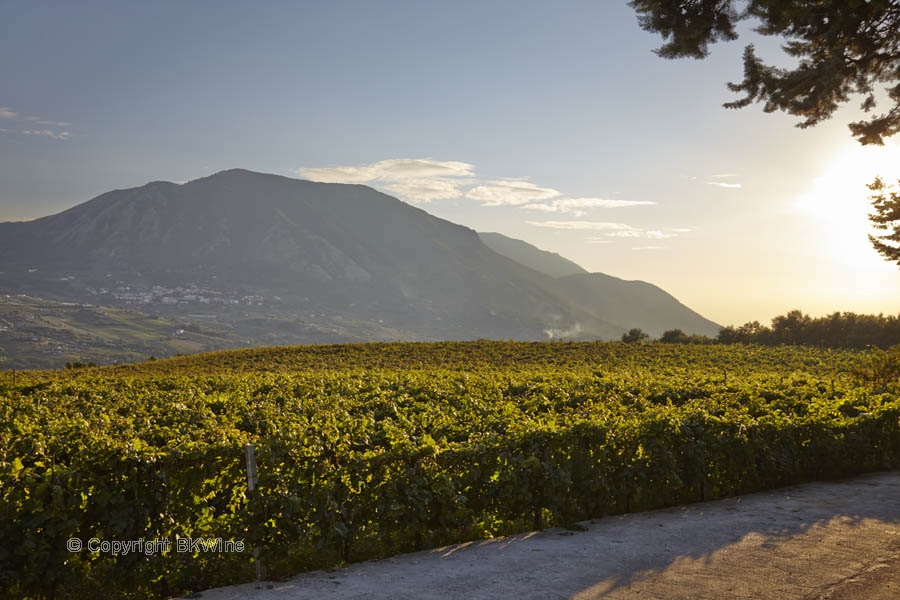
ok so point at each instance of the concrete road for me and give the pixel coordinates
(837, 540)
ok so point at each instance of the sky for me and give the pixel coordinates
(551, 122)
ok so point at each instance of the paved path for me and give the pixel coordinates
(837, 541)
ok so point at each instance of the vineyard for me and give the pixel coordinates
(369, 450)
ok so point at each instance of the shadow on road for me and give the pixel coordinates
(798, 537)
(838, 540)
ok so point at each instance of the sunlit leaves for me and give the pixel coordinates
(375, 449)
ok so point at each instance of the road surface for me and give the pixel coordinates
(836, 540)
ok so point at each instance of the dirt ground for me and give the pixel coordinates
(836, 540)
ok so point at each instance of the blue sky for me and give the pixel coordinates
(551, 122)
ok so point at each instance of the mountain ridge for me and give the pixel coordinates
(549, 263)
(343, 260)
(644, 303)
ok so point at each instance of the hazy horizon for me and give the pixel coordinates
(556, 125)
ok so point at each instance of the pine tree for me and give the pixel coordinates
(886, 202)
(844, 47)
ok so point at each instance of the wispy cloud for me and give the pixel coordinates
(604, 202)
(8, 113)
(622, 232)
(653, 234)
(426, 190)
(629, 233)
(388, 170)
(510, 193)
(576, 206)
(582, 225)
(416, 179)
(426, 180)
(56, 135)
(721, 184)
(553, 208)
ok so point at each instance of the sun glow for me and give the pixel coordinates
(839, 200)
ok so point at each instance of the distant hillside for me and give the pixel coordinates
(625, 303)
(549, 263)
(38, 333)
(268, 260)
(633, 304)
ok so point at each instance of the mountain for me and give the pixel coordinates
(627, 303)
(632, 304)
(255, 259)
(548, 263)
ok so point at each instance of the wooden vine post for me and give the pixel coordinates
(252, 481)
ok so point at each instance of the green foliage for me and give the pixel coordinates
(373, 449)
(886, 217)
(77, 364)
(673, 336)
(677, 336)
(841, 48)
(882, 369)
(635, 336)
(837, 330)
